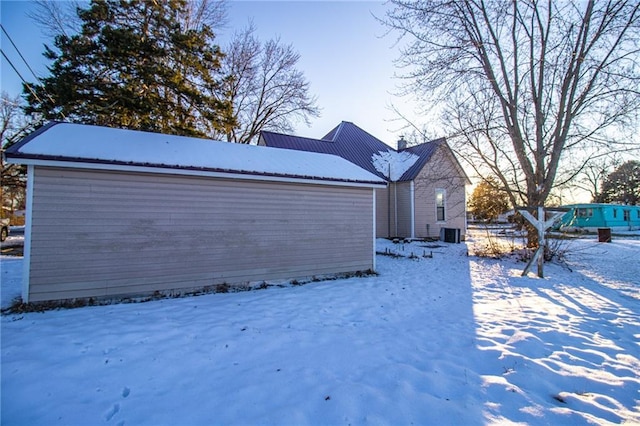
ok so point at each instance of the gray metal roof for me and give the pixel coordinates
(354, 144)
(424, 151)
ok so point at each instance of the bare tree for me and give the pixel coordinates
(525, 82)
(267, 90)
(60, 17)
(13, 126)
(212, 13)
(593, 174)
(56, 17)
(9, 112)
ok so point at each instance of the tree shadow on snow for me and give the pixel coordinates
(557, 350)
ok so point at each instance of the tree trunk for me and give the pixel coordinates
(532, 235)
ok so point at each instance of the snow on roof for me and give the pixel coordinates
(393, 164)
(359, 147)
(80, 143)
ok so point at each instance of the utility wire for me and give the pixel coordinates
(19, 53)
(20, 75)
(30, 69)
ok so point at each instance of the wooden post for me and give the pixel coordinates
(541, 226)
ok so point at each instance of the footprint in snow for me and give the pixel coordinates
(116, 407)
(112, 412)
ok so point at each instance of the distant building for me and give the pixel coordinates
(590, 217)
(506, 217)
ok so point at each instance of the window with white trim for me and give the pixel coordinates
(441, 202)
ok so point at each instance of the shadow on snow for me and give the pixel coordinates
(442, 340)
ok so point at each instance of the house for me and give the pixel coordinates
(426, 191)
(114, 212)
(590, 217)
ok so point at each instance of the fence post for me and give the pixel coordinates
(541, 226)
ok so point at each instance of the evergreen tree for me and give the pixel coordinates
(622, 185)
(136, 65)
(488, 200)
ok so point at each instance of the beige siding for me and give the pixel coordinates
(441, 172)
(403, 201)
(392, 210)
(382, 213)
(394, 203)
(97, 234)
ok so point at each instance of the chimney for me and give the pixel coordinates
(402, 144)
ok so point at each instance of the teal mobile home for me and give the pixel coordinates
(593, 216)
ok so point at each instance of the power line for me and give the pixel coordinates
(30, 69)
(19, 53)
(20, 75)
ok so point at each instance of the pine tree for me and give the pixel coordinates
(622, 185)
(136, 65)
(488, 200)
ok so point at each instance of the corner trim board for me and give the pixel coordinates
(26, 262)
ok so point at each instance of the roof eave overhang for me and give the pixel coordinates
(82, 163)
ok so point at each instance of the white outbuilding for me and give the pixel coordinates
(114, 212)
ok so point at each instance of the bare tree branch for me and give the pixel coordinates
(526, 84)
(13, 126)
(268, 92)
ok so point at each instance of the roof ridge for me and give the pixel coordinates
(333, 132)
(364, 131)
(338, 131)
(294, 136)
(438, 140)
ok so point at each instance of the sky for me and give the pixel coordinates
(345, 55)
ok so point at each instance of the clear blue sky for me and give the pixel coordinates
(344, 55)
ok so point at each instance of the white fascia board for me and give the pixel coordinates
(188, 172)
(413, 209)
(26, 261)
(373, 194)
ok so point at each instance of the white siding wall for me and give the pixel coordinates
(100, 234)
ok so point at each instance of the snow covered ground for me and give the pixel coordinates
(445, 340)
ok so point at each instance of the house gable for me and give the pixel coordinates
(443, 175)
(424, 151)
(357, 146)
